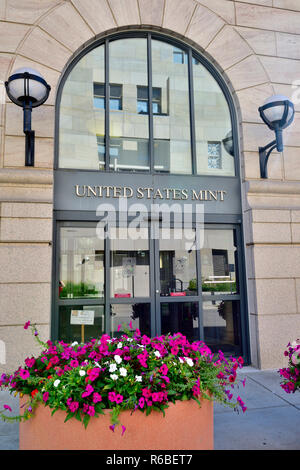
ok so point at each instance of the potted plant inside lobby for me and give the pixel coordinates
(130, 392)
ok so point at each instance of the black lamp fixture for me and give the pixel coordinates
(27, 88)
(278, 113)
(228, 143)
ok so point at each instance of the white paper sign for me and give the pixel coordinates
(82, 317)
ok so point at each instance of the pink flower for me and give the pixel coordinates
(30, 362)
(141, 402)
(119, 399)
(26, 325)
(74, 363)
(88, 391)
(164, 369)
(123, 430)
(112, 396)
(74, 406)
(7, 407)
(91, 411)
(45, 396)
(24, 374)
(97, 397)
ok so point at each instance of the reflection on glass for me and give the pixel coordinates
(129, 271)
(180, 317)
(137, 314)
(129, 128)
(172, 146)
(212, 125)
(70, 332)
(81, 263)
(177, 263)
(219, 262)
(221, 323)
(81, 117)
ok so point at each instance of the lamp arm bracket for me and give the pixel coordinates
(264, 157)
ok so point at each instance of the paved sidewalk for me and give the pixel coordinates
(271, 422)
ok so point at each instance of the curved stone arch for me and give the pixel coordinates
(68, 27)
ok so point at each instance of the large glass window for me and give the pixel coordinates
(106, 123)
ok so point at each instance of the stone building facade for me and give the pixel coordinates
(255, 45)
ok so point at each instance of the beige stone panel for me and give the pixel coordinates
(28, 11)
(5, 61)
(288, 45)
(26, 230)
(295, 233)
(42, 120)
(262, 42)
(251, 99)
(14, 153)
(25, 263)
(271, 216)
(20, 343)
(178, 14)
(253, 330)
(276, 296)
(295, 216)
(247, 73)
(267, 18)
(67, 26)
(275, 332)
(249, 262)
(30, 210)
(288, 4)
(281, 70)
(267, 3)
(251, 165)
(12, 193)
(125, 13)
(228, 48)
(2, 9)
(151, 12)
(11, 34)
(297, 281)
(292, 92)
(38, 42)
(204, 26)
(23, 302)
(256, 135)
(270, 233)
(281, 261)
(223, 8)
(91, 10)
(291, 158)
(291, 136)
(51, 76)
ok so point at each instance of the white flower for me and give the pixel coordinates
(97, 364)
(112, 368)
(56, 383)
(74, 344)
(119, 345)
(181, 360)
(118, 359)
(157, 354)
(130, 340)
(114, 376)
(123, 371)
(138, 378)
(82, 373)
(189, 361)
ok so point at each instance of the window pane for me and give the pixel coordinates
(221, 322)
(219, 262)
(69, 332)
(212, 125)
(177, 263)
(81, 117)
(180, 317)
(129, 271)
(138, 314)
(172, 126)
(81, 263)
(128, 62)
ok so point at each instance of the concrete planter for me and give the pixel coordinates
(185, 426)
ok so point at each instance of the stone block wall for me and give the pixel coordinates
(256, 46)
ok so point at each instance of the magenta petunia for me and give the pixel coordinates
(24, 374)
(7, 407)
(27, 324)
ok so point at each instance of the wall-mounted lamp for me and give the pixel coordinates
(278, 113)
(27, 88)
(228, 143)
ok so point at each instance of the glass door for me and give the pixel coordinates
(159, 284)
